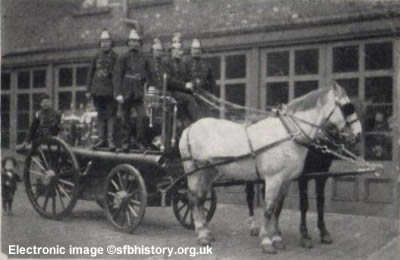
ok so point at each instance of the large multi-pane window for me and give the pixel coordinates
(5, 109)
(289, 73)
(365, 71)
(71, 87)
(31, 83)
(230, 71)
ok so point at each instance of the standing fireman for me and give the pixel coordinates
(179, 85)
(100, 88)
(132, 71)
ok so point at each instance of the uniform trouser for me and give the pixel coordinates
(106, 110)
(129, 121)
(189, 103)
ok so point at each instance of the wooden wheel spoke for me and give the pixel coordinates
(116, 213)
(37, 173)
(181, 207)
(191, 218)
(120, 180)
(46, 200)
(131, 187)
(135, 202)
(63, 191)
(128, 217)
(46, 164)
(115, 185)
(38, 164)
(54, 205)
(132, 210)
(36, 196)
(111, 194)
(59, 196)
(132, 194)
(66, 182)
(186, 214)
(50, 153)
(122, 216)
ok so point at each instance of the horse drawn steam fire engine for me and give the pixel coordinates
(57, 175)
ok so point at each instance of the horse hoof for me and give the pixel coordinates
(204, 241)
(269, 249)
(254, 232)
(326, 238)
(306, 243)
(279, 245)
(211, 237)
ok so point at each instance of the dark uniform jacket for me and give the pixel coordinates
(179, 76)
(131, 72)
(175, 79)
(201, 74)
(45, 122)
(158, 68)
(100, 75)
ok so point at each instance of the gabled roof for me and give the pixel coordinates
(33, 25)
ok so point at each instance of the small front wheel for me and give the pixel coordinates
(183, 211)
(125, 198)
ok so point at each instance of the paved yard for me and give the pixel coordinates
(355, 237)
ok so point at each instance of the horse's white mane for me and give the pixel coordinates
(308, 101)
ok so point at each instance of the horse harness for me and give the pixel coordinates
(253, 152)
(287, 120)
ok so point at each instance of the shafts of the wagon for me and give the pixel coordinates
(224, 183)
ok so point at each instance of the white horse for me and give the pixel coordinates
(278, 146)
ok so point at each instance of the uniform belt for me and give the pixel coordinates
(135, 76)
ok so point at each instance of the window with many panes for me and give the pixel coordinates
(289, 73)
(230, 71)
(71, 87)
(365, 71)
(31, 83)
(5, 109)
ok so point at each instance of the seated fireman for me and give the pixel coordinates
(180, 86)
(46, 122)
(158, 66)
(131, 73)
(199, 71)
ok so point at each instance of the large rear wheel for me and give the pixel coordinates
(51, 178)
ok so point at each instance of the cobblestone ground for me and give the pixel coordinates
(355, 237)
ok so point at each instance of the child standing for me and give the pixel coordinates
(9, 179)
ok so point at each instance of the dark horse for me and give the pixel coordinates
(315, 162)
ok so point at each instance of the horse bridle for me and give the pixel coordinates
(346, 109)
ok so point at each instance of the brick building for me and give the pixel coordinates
(263, 52)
